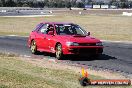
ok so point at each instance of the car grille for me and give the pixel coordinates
(87, 44)
(87, 51)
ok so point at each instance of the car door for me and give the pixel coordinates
(41, 38)
(51, 38)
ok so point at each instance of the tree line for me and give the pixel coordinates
(62, 3)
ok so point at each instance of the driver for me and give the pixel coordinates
(50, 28)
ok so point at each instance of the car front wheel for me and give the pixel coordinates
(59, 53)
(33, 47)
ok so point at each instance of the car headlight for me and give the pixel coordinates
(99, 44)
(72, 44)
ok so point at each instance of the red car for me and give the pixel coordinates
(63, 39)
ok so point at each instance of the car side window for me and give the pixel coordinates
(43, 29)
(37, 27)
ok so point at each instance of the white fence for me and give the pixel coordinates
(96, 6)
(104, 6)
(126, 14)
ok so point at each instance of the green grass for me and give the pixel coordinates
(16, 73)
(103, 27)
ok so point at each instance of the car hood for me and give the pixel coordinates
(79, 39)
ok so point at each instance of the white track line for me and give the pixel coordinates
(30, 16)
(125, 42)
(13, 36)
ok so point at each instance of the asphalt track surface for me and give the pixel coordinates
(63, 11)
(116, 57)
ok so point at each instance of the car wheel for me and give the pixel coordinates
(33, 47)
(59, 53)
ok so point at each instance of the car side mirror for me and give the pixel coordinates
(50, 33)
(88, 33)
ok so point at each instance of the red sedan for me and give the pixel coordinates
(63, 39)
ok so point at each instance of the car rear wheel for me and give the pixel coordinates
(59, 53)
(33, 47)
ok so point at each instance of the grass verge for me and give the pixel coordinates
(103, 27)
(17, 73)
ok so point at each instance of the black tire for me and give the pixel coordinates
(59, 53)
(33, 47)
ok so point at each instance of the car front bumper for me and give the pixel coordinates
(83, 50)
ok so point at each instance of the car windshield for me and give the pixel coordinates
(70, 29)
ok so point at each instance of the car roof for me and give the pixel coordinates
(57, 22)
